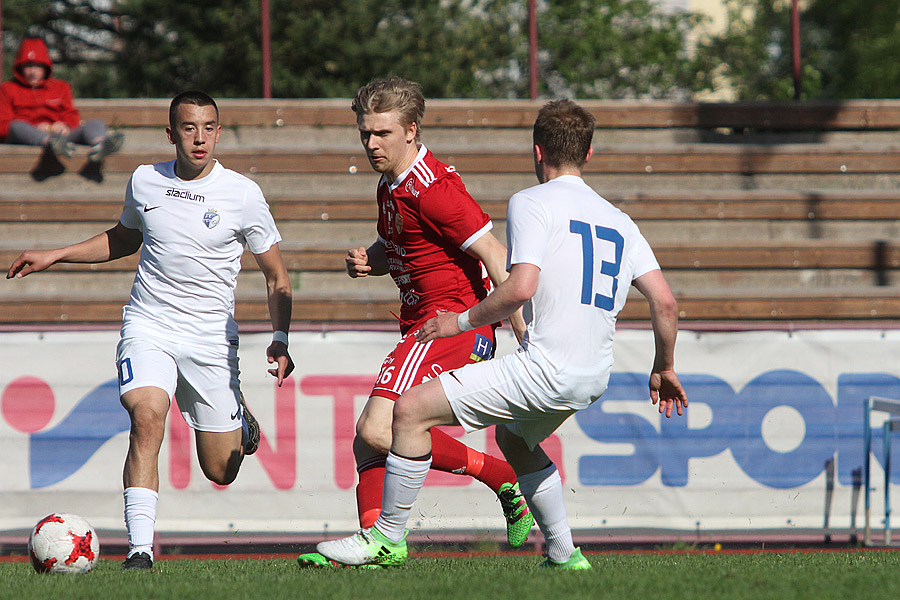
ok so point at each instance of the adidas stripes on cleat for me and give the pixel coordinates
(365, 547)
(518, 516)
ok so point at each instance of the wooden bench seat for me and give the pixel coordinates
(763, 305)
(802, 159)
(774, 255)
(792, 116)
(877, 205)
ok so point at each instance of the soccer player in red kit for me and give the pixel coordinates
(433, 239)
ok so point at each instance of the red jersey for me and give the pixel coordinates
(426, 221)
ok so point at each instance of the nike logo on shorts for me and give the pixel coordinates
(149, 208)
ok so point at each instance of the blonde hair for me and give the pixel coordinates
(392, 94)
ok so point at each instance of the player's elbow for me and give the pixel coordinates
(665, 306)
(518, 300)
(279, 285)
(520, 290)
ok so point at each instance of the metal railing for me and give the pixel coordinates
(892, 407)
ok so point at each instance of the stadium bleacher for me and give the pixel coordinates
(782, 214)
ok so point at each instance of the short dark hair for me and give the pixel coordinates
(190, 97)
(391, 94)
(564, 132)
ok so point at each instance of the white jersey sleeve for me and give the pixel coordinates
(258, 226)
(641, 255)
(527, 224)
(130, 216)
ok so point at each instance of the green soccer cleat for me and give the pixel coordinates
(518, 516)
(314, 560)
(365, 547)
(576, 562)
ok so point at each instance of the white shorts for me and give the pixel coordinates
(520, 390)
(202, 379)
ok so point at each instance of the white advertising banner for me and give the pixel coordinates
(772, 439)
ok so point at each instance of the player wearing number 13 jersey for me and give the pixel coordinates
(588, 252)
(572, 258)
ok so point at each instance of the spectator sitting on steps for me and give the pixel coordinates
(37, 110)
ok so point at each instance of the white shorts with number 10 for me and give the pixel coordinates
(203, 379)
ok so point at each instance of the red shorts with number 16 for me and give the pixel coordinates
(412, 363)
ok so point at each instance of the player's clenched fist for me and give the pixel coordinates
(357, 262)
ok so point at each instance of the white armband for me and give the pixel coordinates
(462, 321)
(280, 336)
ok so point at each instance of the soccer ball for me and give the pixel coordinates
(63, 543)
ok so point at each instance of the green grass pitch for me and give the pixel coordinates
(697, 575)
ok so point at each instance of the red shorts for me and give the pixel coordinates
(411, 362)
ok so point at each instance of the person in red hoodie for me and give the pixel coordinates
(36, 109)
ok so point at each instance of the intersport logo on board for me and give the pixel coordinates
(825, 432)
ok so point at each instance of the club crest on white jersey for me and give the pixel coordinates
(211, 218)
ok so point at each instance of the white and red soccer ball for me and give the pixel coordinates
(63, 543)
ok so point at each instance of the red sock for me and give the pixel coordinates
(452, 456)
(369, 490)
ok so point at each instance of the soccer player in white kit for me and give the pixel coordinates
(572, 258)
(179, 338)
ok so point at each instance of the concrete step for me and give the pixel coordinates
(347, 234)
(109, 285)
(627, 159)
(857, 115)
(442, 140)
(361, 185)
(744, 305)
(808, 205)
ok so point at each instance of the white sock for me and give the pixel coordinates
(544, 494)
(403, 478)
(140, 518)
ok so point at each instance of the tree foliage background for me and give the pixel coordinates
(849, 49)
(461, 48)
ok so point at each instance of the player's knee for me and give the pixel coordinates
(147, 424)
(222, 472)
(374, 436)
(406, 415)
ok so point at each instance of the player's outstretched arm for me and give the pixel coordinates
(280, 298)
(509, 296)
(114, 243)
(665, 389)
(492, 255)
(362, 262)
